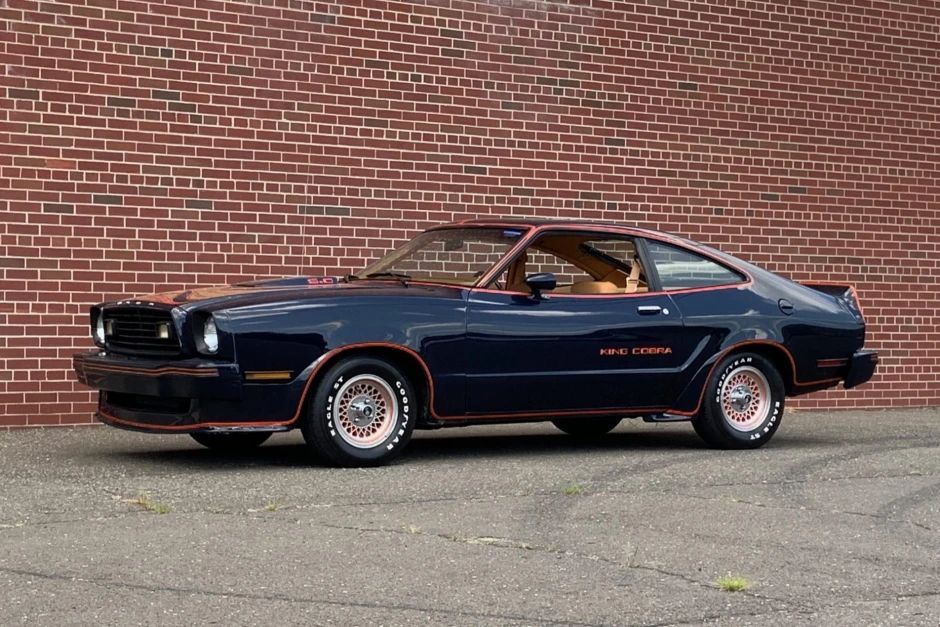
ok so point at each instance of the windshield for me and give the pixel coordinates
(454, 256)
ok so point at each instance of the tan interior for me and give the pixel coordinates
(595, 287)
(515, 276)
(607, 279)
(633, 282)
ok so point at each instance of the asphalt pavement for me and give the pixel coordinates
(835, 522)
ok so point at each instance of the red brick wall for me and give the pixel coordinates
(150, 145)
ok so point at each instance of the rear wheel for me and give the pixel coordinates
(586, 427)
(743, 404)
(231, 442)
(362, 413)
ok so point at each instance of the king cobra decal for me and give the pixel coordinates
(638, 351)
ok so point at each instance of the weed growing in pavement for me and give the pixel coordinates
(145, 502)
(733, 584)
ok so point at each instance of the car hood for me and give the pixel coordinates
(289, 290)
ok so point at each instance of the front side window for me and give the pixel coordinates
(457, 256)
(680, 269)
(582, 264)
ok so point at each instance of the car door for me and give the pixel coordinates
(571, 353)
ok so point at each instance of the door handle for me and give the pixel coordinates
(649, 310)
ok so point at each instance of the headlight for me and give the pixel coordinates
(210, 335)
(99, 329)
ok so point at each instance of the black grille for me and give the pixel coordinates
(150, 404)
(140, 330)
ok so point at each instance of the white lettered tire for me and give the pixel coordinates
(743, 404)
(362, 413)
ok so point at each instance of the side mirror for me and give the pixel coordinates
(541, 282)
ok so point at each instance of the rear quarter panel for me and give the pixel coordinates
(819, 328)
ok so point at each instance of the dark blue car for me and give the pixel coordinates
(512, 320)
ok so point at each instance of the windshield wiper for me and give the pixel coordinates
(401, 276)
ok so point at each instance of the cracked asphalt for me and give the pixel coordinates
(836, 522)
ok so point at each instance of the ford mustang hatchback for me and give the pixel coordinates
(581, 324)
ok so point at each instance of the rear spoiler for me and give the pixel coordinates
(842, 292)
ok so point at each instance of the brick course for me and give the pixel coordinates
(146, 146)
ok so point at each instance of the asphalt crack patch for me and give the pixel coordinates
(800, 508)
(506, 543)
(803, 612)
(405, 607)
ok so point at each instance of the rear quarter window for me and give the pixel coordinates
(680, 269)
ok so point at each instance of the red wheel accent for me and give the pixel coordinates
(745, 398)
(365, 411)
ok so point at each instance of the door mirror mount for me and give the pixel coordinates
(541, 282)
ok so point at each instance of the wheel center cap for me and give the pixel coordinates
(362, 411)
(741, 398)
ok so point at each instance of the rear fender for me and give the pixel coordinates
(844, 293)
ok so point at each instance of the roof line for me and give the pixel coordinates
(516, 221)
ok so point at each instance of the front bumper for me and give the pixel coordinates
(185, 395)
(189, 378)
(861, 368)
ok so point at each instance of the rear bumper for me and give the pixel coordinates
(861, 368)
(185, 395)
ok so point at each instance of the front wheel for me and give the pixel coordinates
(362, 413)
(231, 442)
(743, 404)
